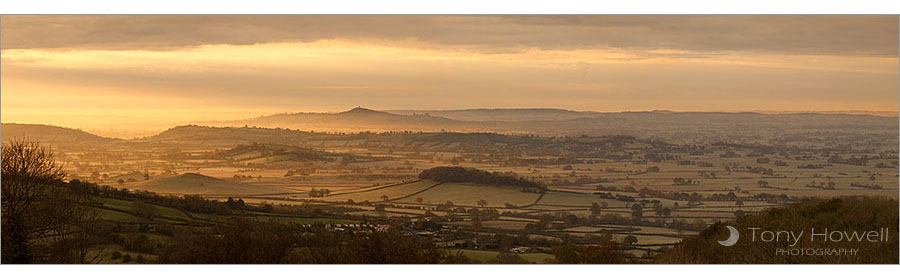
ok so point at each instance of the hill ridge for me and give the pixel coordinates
(46, 133)
(196, 183)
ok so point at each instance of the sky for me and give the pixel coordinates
(136, 75)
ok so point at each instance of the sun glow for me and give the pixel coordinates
(84, 88)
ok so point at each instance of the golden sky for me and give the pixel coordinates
(145, 73)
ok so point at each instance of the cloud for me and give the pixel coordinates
(818, 35)
(339, 74)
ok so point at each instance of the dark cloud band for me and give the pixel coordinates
(832, 35)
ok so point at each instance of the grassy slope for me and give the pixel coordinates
(841, 214)
(125, 205)
(192, 183)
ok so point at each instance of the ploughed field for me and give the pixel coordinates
(606, 191)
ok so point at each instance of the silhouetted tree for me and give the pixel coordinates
(42, 222)
(482, 203)
(141, 209)
(637, 211)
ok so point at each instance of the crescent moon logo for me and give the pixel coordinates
(733, 237)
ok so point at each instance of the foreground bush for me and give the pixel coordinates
(242, 241)
(838, 214)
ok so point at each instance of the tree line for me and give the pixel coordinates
(472, 175)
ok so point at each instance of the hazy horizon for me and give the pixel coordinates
(133, 128)
(145, 73)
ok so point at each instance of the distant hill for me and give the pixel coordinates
(551, 114)
(852, 112)
(673, 127)
(503, 115)
(193, 183)
(357, 119)
(48, 134)
(225, 136)
(565, 122)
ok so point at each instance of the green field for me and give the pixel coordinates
(466, 194)
(376, 194)
(119, 216)
(165, 212)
